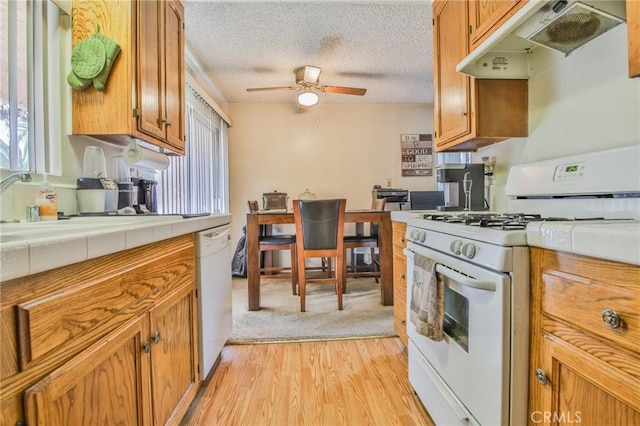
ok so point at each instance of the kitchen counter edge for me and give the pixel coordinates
(31, 257)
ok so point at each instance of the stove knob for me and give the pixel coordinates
(468, 250)
(422, 236)
(455, 246)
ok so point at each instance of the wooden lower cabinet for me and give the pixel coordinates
(585, 333)
(106, 384)
(174, 363)
(111, 340)
(400, 281)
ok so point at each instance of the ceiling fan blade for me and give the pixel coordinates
(264, 89)
(343, 90)
(311, 74)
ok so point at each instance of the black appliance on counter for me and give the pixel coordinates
(426, 200)
(463, 186)
(147, 201)
(395, 198)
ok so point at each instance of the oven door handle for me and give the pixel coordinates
(465, 280)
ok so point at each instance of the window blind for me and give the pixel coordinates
(198, 181)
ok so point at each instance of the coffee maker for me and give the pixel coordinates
(463, 186)
(146, 199)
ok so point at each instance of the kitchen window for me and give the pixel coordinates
(462, 157)
(198, 182)
(31, 84)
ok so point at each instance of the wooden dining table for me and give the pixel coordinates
(277, 217)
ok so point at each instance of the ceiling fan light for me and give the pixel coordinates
(307, 98)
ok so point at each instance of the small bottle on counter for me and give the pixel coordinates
(47, 200)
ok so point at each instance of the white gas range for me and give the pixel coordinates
(478, 374)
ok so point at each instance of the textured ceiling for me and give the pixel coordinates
(385, 47)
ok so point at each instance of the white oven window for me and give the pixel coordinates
(456, 317)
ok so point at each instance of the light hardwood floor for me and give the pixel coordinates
(338, 382)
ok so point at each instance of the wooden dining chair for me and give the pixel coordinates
(320, 232)
(360, 239)
(269, 243)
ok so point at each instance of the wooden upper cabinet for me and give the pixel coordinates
(451, 89)
(470, 113)
(144, 96)
(485, 16)
(633, 32)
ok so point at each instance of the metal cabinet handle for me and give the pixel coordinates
(541, 376)
(611, 318)
(402, 276)
(156, 338)
(146, 347)
(463, 114)
(403, 321)
(166, 122)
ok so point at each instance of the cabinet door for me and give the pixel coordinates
(106, 384)
(399, 281)
(150, 74)
(633, 36)
(486, 16)
(583, 389)
(174, 363)
(174, 73)
(451, 89)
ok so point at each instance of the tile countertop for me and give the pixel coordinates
(29, 248)
(610, 240)
(406, 215)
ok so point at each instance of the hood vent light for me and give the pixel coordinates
(561, 26)
(576, 26)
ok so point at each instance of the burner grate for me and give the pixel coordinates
(498, 221)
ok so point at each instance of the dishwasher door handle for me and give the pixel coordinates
(213, 240)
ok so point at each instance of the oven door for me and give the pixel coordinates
(473, 359)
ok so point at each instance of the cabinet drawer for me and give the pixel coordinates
(85, 311)
(582, 303)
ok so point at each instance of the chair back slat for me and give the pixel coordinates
(319, 219)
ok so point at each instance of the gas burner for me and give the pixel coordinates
(499, 221)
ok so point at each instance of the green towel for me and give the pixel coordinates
(112, 49)
(91, 62)
(89, 57)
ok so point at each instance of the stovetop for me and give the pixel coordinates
(499, 221)
(503, 229)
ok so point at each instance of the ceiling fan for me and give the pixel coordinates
(307, 83)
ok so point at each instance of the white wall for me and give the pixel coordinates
(333, 150)
(580, 103)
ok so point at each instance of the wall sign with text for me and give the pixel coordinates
(417, 155)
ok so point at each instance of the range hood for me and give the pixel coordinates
(559, 25)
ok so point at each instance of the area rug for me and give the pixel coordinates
(280, 319)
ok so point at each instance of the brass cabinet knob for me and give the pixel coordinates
(146, 347)
(156, 338)
(541, 376)
(611, 318)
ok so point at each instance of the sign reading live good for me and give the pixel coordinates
(417, 155)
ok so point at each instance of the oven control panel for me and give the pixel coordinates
(459, 248)
(570, 172)
(417, 235)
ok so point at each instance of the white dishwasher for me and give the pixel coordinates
(214, 294)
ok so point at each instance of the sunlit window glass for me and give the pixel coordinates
(14, 113)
